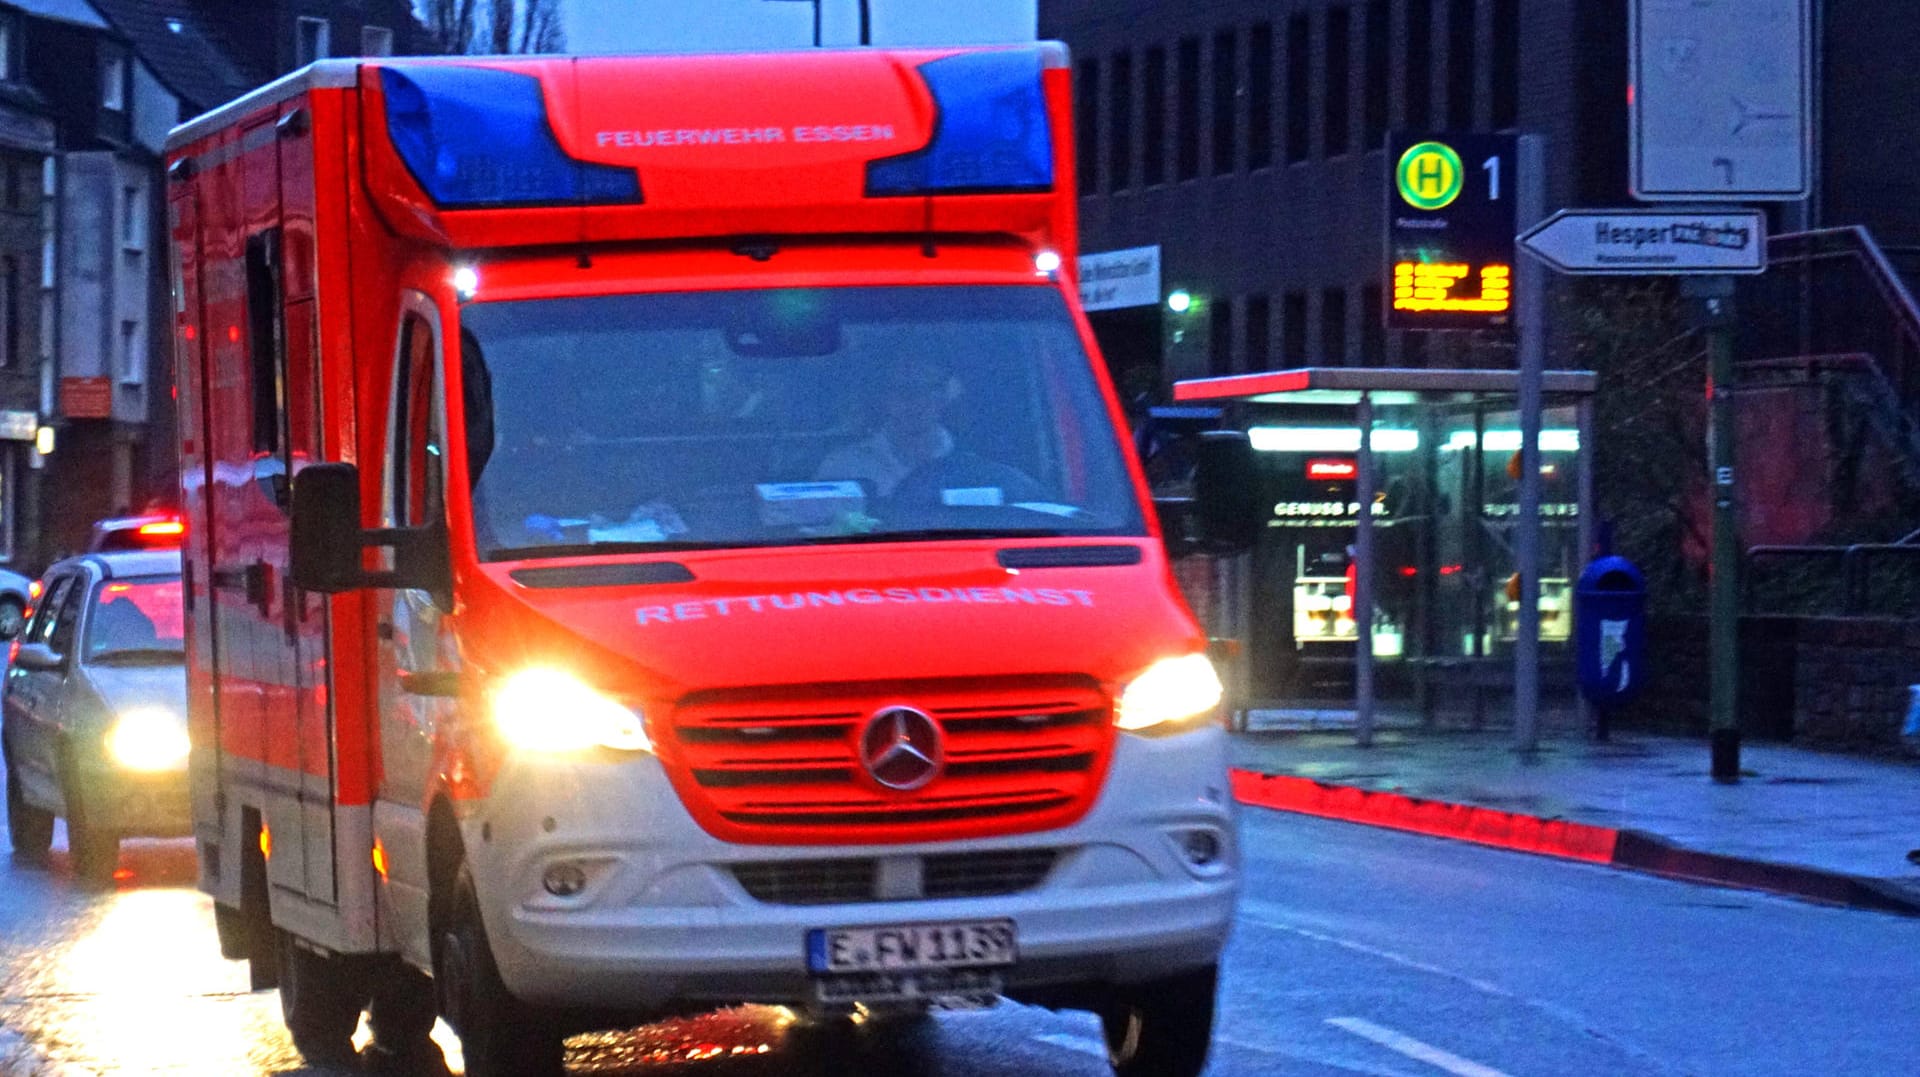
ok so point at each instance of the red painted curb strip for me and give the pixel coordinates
(1463, 822)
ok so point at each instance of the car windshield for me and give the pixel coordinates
(776, 417)
(136, 619)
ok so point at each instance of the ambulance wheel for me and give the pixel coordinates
(30, 829)
(93, 849)
(500, 1036)
(320, 1000)
(1161, 1028)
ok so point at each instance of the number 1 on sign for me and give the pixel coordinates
(1492, 167)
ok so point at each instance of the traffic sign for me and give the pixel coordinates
(1650, 241)
(1450, 223)
(1719, 100)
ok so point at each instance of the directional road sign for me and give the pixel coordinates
(1719, 100)
(1650, 241)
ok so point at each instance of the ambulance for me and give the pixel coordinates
(659, 536)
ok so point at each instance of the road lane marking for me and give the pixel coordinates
(1402, 960)
(1401, 1043)
(1093, 1047)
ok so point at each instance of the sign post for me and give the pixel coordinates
(1526, 534)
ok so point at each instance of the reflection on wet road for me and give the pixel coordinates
(129, 980)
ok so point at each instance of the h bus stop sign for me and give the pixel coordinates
(1450, 224)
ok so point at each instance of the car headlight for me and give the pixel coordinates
(1171, 690)
(549, 710)
(147, 740)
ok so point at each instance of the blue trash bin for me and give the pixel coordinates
(1610, 634)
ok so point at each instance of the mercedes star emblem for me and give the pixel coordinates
(902, 748)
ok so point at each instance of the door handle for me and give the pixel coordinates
(254, 580)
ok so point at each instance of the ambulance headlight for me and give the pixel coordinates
(148, 739)
(548, 710)
(1171, 694)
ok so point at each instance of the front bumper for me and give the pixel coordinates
(664, 921)
(138, 804)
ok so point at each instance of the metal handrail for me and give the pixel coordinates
(1855, 560)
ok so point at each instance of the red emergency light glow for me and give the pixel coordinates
(1332, 470)
(163, 527)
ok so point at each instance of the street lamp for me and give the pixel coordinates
(866, 20)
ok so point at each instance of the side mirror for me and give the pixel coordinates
(326, 533)
(327, 539)
(1226, 494)
(38, 656)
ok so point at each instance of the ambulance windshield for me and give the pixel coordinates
(781, 417)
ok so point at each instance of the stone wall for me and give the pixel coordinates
(1827, 681)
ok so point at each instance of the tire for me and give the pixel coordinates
(1161, 1028)
(30, 829)
(320, 1001)
(93, 848)
(13, 617)
(401, 1018)
(500, 1036)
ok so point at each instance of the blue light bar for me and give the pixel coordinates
(477, 136)
(990, 131)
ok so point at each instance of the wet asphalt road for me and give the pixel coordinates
(1357, 952)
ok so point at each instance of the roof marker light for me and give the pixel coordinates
(1047, 263)
(466, 282)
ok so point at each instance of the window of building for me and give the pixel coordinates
(1260, 95)
(1086, 96)
(132, 370)
(1220, 336)
(133, 219)
(1376, 76)
(9, 309)
(6, 45)
(1153, 116)
(1226, 100)
(1419, 61)
(1186, 119)
(313, 40)
(1373, 335)
(1333, 326)
(1299, 83)
(1259, 327)
(1120, 123)
(1339, 127)
(1506, 64)
(1293, 329)
(113, 81)
(1463, 65)
(376, 41)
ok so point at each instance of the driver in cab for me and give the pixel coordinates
(913, 397)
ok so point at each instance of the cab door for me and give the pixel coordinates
(411, 628)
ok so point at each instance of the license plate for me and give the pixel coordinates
(912, 947)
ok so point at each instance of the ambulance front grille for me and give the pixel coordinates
(847, 881)
(781, 765)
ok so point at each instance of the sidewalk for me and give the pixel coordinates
(1809, 824)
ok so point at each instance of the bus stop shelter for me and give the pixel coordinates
(1386, 567)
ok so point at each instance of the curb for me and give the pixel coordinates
(1632, 850)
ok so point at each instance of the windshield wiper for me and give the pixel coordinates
(934, 534)
(592, 549)
(139, 656)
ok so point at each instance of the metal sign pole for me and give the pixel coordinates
(1363, 577)
(1532, 317)
(1712, 298)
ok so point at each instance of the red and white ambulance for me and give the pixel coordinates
(659, 536)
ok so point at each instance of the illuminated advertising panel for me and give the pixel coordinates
(1450, 228)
